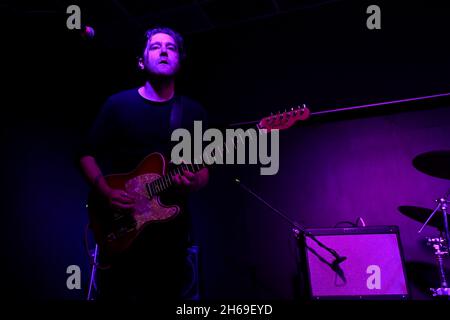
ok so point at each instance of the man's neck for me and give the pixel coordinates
(158, 90)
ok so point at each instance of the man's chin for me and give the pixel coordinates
(163, 74)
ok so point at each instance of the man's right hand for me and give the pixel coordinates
(120, 199)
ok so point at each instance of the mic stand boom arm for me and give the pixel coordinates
(297, 228)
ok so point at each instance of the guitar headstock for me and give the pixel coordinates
(284, 120)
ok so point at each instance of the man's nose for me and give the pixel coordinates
(163, 51)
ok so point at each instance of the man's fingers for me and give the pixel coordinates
(127, 196)
(189, 174)
(124, 200)
(185, 181)
(176, 179)
(123, 205)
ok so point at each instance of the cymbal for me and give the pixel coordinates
(434, 163)
(421, 215)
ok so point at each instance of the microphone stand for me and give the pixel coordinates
(297, 229)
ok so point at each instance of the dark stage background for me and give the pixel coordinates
(245, 60)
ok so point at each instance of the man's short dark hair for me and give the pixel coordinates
(179, 41)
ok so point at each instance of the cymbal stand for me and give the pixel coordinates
(442, 204)
(441, 246)
(440, 251)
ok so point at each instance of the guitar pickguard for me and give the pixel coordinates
(148, 208)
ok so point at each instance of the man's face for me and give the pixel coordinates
(161, 57)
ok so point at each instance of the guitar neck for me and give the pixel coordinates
(279, 121)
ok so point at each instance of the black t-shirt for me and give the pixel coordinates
(130, 127)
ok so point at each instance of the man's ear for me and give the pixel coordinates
(141, 63)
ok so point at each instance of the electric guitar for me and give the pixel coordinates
(115, 230)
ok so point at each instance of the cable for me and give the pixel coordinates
(345, 222)
(92, 261)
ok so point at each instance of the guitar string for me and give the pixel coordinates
(157, 182)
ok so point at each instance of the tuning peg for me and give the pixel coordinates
(288, 114)
(274, 117)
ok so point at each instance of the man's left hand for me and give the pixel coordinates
(192, 181)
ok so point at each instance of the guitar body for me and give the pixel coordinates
(115, 230)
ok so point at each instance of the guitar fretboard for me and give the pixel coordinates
(165, 182)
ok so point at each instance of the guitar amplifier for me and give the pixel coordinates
(367, 263)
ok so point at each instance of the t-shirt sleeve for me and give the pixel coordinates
(101, 135)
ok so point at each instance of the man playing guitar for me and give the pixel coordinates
(133, 124)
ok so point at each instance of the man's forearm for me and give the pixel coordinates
(93, 174)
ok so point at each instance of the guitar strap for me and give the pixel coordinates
(176, 115)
